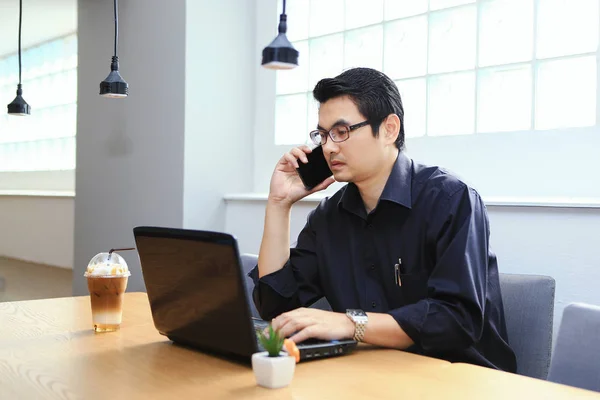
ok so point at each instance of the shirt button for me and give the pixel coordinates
(370, 227)
(372, 267)
(373, 304)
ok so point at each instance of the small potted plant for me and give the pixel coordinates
(275, 368)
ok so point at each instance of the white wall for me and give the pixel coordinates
(129, 151)
(220, 65)
(559, 163)
(264, 98)
(37, 229)
(559, 242)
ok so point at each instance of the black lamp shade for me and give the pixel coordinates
(280, 54)
(19, 106)
(114, 86)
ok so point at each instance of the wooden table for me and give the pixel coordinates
(48, 350)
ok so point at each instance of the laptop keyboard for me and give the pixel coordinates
(260, 325)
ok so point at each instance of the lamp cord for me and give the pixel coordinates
(282, 28)
(116, 26)
(20, 20)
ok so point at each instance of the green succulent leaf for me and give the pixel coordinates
(272, 342)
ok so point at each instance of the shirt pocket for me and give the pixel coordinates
(413, 286)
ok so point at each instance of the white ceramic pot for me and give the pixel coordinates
(273, 372)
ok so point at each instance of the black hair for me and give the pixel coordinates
(373, 92)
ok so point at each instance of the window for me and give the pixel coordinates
(462, 67)
(45, 140)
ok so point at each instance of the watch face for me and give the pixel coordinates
(357, 313)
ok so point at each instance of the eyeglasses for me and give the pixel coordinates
(339, 133)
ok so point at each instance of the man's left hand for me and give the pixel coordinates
(306, 323)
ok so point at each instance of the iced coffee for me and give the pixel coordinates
(107, 275)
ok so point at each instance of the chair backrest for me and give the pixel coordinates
(249, 261)
(575, 361)
(529, 313)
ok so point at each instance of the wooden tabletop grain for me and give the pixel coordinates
(48, 350)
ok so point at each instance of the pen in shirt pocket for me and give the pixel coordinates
(398, 272)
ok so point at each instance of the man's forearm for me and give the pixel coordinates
(383, 330)
(275, 245)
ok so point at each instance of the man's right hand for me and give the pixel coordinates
(286, 189)
(286, 186)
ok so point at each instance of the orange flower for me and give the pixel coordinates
(292, 349)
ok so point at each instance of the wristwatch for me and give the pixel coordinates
(360, 319)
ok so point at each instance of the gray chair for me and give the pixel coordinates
(529, 313)
(575, 361)
(249, 261)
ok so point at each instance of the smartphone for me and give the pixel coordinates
(316, 170)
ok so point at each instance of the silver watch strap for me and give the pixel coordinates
(360, 319)
(359, 331)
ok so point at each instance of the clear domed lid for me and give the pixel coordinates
(107, 264)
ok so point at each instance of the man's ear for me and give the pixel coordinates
(391, 128)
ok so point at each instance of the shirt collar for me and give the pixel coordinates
(396, 190)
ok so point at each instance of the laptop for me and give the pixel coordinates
(198, 296)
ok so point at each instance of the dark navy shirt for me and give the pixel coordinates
(436, 228)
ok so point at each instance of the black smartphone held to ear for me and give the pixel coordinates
(316, 170)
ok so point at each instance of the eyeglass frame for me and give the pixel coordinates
(329, 134)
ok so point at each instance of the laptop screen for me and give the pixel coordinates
(194, 283)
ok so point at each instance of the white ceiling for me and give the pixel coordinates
(42, 20)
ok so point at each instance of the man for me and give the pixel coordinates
(401, 252)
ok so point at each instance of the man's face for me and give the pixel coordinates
(357, 158)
